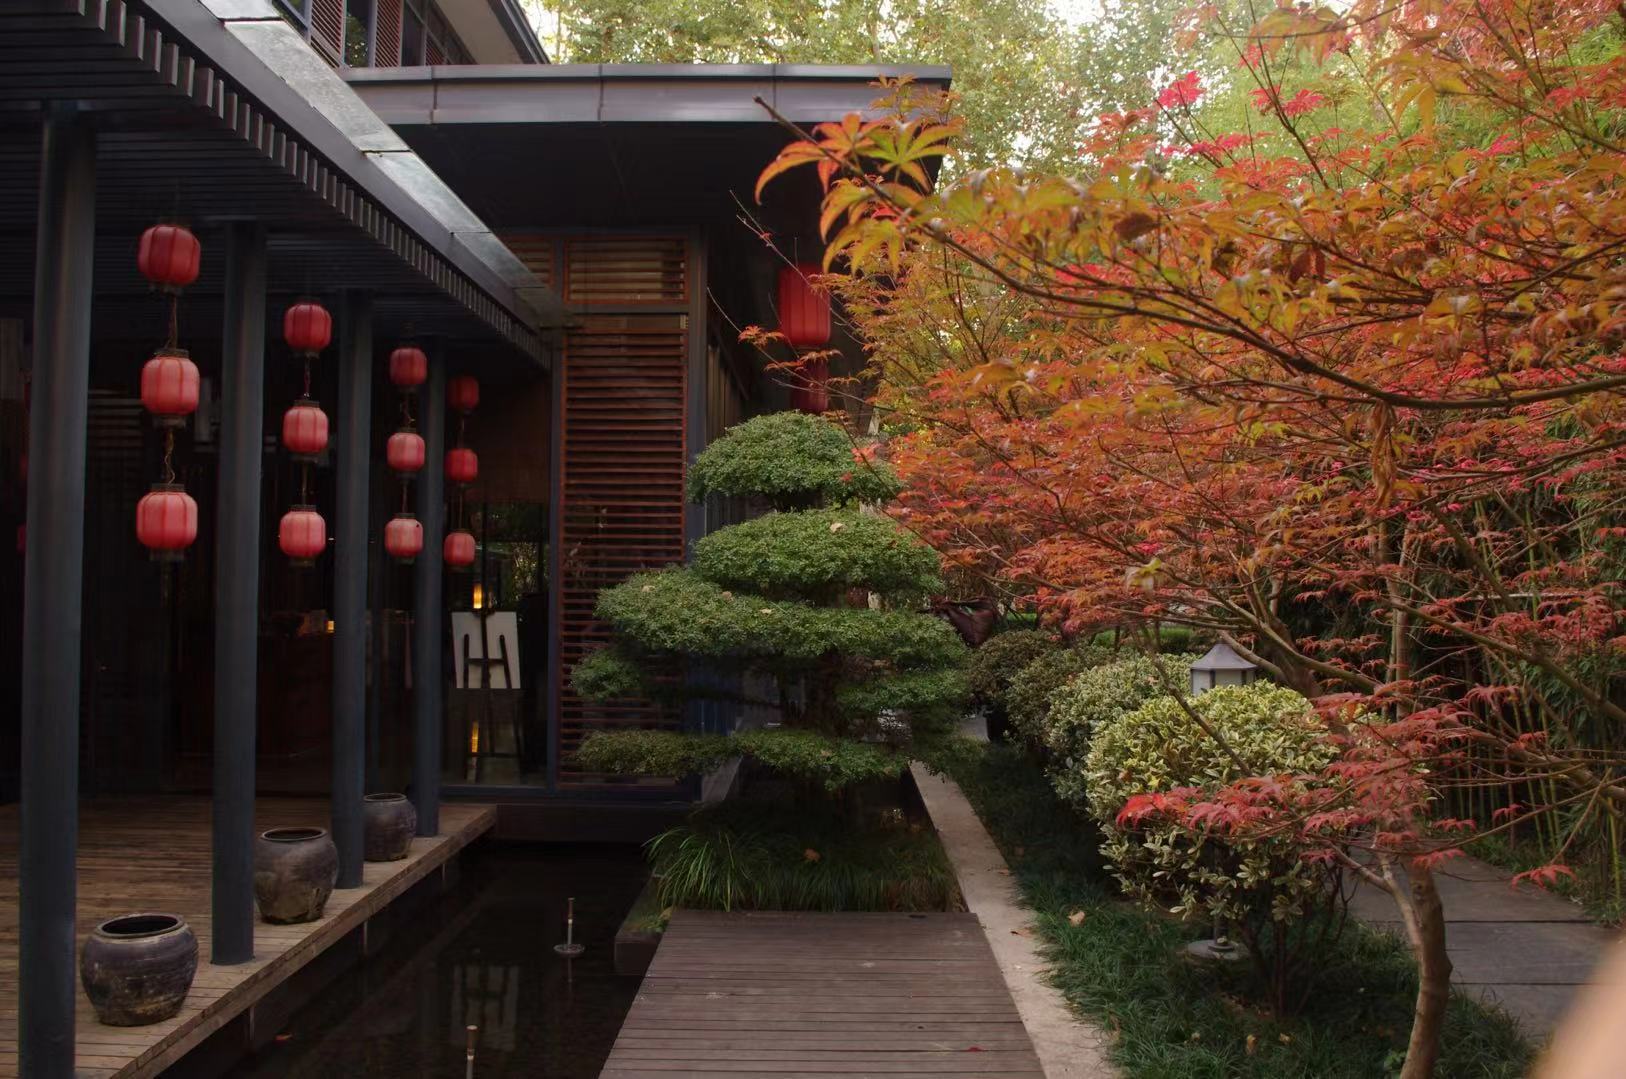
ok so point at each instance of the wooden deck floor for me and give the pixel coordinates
(153, 854)
(823, 995)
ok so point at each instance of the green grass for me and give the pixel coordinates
(1594, 885)
(1173, 1020)
(755, 855)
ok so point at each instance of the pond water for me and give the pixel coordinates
(482, 955)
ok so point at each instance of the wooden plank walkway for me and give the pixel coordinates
(811, 996)
(153, 854)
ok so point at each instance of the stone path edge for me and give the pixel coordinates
(1069, 1046)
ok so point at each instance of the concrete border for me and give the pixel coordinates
(1069, 1046)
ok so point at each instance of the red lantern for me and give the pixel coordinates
(302, 535)
(304, 429)
(812, 392)
(403, 537)
(462, 465)
(166, 521)
(459, 549)
(307, 327)
(804, 312)
(169, 257)
(169, 386)
(463, 393)
(405, 451)
(408, 367)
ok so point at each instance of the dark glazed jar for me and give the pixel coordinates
(391, 824)
(294, 871)
(137, 968)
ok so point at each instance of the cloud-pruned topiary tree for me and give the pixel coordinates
(818, 595)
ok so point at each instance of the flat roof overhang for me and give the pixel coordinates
(210, 111)
(621, 145)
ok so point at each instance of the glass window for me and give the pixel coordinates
(411, 36)
(358, 33)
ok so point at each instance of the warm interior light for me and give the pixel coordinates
(479, 596)
(474, 732)
(330, 625)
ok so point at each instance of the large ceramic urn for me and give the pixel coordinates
(391, 824)
(137, 968)
(294, 871)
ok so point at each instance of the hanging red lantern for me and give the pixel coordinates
(403, 537)
(169, 386)
(462, 465)
(405, 451)
(169, 257)
(307, 327)
(804, 312)
(166, 521)
(304, 429)
(459, 549)
(812, 391)
(302, 535)
(408, 367)
(463, 393)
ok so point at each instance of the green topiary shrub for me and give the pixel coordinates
(1261, 886)
(1097, 696)
(1000, 658)
(1027, 701)
(772, 597)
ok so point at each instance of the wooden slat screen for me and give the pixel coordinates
(622, 507)
(536, 252)
(327, 29)
(622, 270)
(387, 34)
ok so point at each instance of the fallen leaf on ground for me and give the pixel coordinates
(811, 855)
(1076, 918)
(1252, 1045)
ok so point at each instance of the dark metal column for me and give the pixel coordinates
(556, 562)
(237, 592)
(63, 261)
(351, 532)
(428, 604)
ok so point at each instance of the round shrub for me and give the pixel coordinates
(1098, 696)
(1158, 747)
(998, 660)
(1027, 701)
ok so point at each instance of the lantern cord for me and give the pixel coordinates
(174, 318)
(406, 410)
(307, 375)
(304, 483)
(403, 496)
(169, 453)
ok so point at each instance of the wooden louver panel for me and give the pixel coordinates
(327, 28)
(622, 507)
(536, 252)
(387, 33)
(614, 270)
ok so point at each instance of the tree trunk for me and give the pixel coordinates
(1424, 917)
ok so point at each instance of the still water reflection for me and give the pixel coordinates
(482, 955)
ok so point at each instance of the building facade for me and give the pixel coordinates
(577, 242)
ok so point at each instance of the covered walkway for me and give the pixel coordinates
(153, 853)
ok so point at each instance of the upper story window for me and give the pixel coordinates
(376, 33)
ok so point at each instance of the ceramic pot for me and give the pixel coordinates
(137, 968)
(391, 824)
(294, 871)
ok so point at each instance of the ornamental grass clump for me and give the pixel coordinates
(784, 600)
(1282, 904)
(1096, 697)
